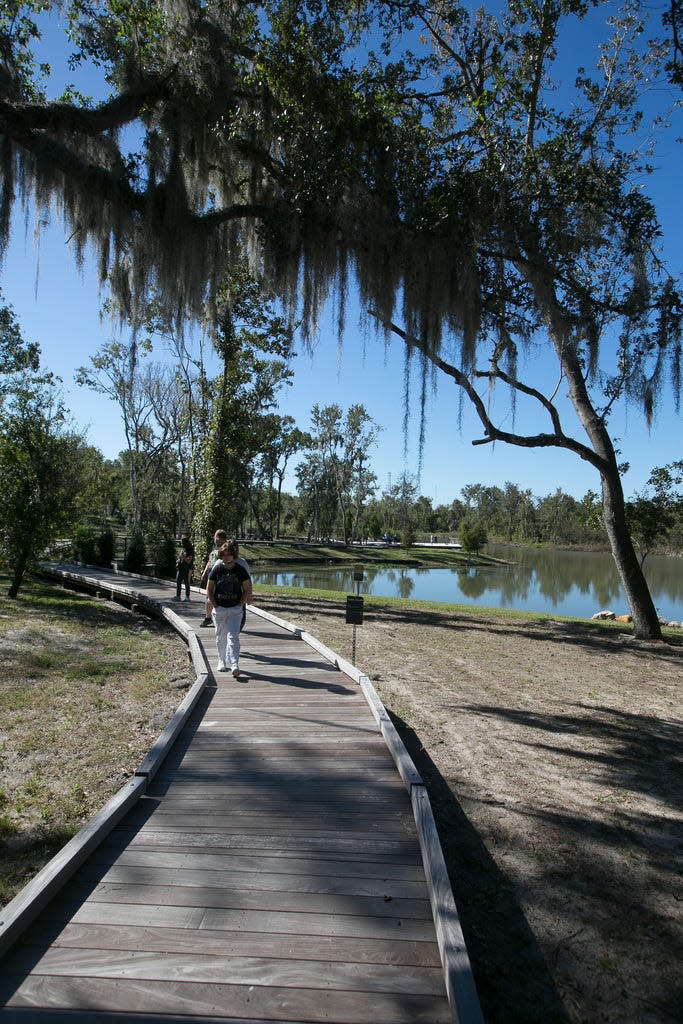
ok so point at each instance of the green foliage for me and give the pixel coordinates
(40, 475)
(165, 558)
(408, 536)
(94, 547)
(282, 440)
(374, 527)
(472, 537)
(335, 482)
(652, 515)
(16, 355)
(254, 345)
(135, 558)
(106, 547)
(85, 545)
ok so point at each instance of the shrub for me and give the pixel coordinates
(136, 554)
(85, 545)
(408, 537)
(165, 559)
(106, 547)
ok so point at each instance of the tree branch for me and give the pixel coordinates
(59, 118)
(112, 183)
(556, 439)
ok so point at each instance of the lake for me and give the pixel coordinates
(577, 583)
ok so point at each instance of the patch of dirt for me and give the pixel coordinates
(552, 753)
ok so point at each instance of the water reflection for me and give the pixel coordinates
(560, 582)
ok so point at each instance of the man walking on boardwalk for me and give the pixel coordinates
(219, 537)
(228, 591)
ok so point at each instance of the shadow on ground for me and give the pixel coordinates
(512, 978)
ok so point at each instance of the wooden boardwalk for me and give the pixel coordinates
(270, 872)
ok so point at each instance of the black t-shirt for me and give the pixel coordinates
(228, 583)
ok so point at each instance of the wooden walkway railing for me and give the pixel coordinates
(273, 859)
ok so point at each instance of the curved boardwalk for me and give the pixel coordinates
(271, 871)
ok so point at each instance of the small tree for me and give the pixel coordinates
(652, 516)
(408, 536)
(472, 537)
(106, 547)
(85, 545)
(40, 468)
(165, 558)
(136, 554)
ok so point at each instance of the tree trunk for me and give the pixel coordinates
(278, 523)
(645, 619)
(17, 576)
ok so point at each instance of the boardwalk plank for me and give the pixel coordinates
(160, 916)
(249, 1002)
(342, 885)
(261, 899)
(279, 863)
(241, 969)
(315, 947)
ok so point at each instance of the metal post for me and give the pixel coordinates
(358, 577)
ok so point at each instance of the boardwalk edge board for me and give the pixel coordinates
(157, 753)
(460, 987)
(18, 914)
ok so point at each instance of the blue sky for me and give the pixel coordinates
(58, 306)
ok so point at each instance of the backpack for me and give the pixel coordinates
(228, 589)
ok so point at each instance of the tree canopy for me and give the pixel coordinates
(482, 198)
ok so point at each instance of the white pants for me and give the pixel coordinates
(227, 622)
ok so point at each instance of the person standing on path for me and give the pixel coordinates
(228, 591)
(184, 567)
(219, 537)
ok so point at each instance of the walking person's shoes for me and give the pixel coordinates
(206, 621)
(222, 667)
(236, 671)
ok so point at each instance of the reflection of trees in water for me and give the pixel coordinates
(513, 582)
(665, 576)
(406, 584)
(473, 583)
(401, 579)
(549, 575)
(589, 573)
(557, 573)
(316, 579)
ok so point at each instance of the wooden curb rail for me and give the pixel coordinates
(36, 895)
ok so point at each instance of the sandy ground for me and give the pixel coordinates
(552, 753)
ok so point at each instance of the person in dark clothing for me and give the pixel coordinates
(228, 590)
(184, 567)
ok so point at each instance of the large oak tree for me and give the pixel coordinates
(478, 207)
